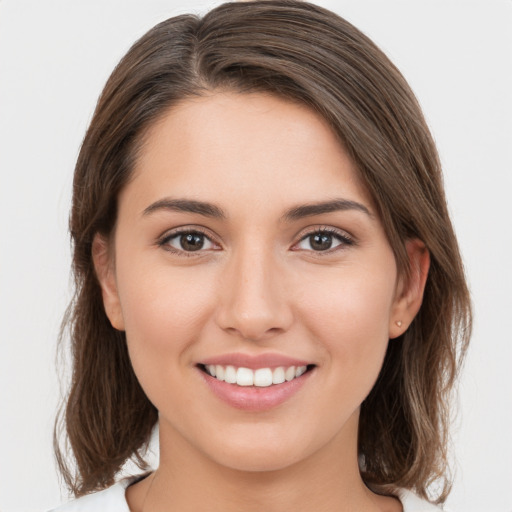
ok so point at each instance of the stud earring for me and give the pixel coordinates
(399, 323)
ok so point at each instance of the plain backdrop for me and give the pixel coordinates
(55, 56)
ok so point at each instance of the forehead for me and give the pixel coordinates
(255, 146)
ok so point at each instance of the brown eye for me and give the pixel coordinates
(192, 241)
(187, 241)
(320, 241)
(324, 240)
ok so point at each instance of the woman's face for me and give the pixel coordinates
(246, 240)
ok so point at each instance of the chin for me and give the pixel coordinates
(261, 450)
(258, 460)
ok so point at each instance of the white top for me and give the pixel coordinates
(113, 500)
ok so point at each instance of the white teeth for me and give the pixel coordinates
(244, 377)
(230, 374)
(278, 375)
(300, 370)
(289, 374)
(219, 372)
(262, 377)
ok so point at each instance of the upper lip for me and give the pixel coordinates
(254, 362)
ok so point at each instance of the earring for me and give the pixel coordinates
(399, 323)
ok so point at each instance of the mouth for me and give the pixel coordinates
(255, 382)
(259, 377)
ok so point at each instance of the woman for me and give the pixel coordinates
(264, 265)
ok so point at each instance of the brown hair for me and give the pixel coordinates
(309, 55)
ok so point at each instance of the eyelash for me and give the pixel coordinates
(164, 241)
(344, 239)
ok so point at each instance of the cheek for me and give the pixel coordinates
(164, 310)
(348, 315)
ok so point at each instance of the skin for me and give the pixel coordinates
(256, 286)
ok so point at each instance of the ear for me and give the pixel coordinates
(104, 267)
(409, 293)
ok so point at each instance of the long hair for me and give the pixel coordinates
(309, 55)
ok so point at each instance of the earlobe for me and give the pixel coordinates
(410, 292)
(103, 265)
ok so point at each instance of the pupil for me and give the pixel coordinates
(321, 242)
(192, 241)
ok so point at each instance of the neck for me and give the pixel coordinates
(187, 481)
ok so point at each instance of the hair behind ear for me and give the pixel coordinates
(107, 420)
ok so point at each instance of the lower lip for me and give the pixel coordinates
(252, 398)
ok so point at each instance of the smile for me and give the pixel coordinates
(255, 383)
(260, 377)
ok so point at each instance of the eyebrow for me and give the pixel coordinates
(309, 210)
(186, 205)
(296, 213)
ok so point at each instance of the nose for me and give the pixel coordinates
(254, 302)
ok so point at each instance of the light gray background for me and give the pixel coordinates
(54, 59)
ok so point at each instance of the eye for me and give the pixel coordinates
(323, 240)
(187, 241)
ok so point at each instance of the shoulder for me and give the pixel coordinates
(412, 503)
(109, 500)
